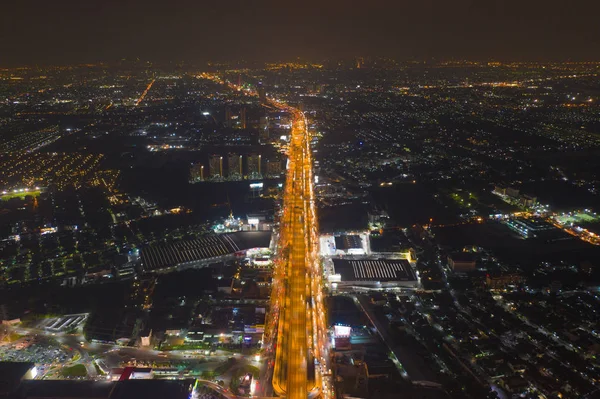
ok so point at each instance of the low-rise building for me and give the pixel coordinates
(502, 280)
(462, 262)
(374, 273)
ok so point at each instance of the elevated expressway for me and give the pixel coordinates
(296, 330)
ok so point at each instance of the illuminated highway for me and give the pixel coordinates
(139, 101)
(297, 313)
(296, 328)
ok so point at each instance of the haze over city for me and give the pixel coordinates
(70, 31)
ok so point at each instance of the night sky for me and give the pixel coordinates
(66, 31)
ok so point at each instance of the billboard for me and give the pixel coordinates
(255, 328)
(341, 331)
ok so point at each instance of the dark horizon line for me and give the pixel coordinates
(315, 60)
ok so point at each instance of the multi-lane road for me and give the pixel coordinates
(299, 330)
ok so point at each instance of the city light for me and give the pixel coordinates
(239, 228)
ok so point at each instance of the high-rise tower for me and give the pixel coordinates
(263, 134)
(228, 116)
(215, 165)
(243, 118)
(234, 167)
(262, 94)
(254, 167)
(196, 173)
(274, 168)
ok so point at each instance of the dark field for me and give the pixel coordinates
(509, 247)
